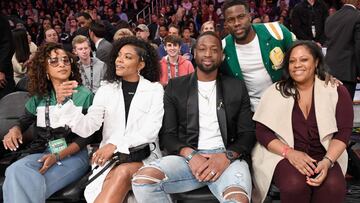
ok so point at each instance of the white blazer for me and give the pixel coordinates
(142, 126)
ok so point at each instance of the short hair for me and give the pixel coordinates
(124, 32)
(78, 39)
(86, 15)
(211, 34)
(172, 39)
(164, 26)
(230, 3)
(207, 22)
(174, 26)
(185, 28)
(98, 28)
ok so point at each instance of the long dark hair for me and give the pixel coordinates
(287, 85)
(22, 49)
(39, 84)
(144, 50)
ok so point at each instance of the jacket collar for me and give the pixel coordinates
(192, 115)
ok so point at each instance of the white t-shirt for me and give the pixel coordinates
(209, 130)
(256, 77)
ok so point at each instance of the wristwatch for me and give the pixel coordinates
(230, 155)
(190, 156)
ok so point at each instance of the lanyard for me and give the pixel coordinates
(47, 117)
(87, 82)
(169, 68)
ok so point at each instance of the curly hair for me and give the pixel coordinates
(144, 50)
(39, 84)
(287, 85)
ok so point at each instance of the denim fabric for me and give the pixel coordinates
(23, 182)
(179, 178)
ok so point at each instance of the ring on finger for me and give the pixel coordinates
(212, 173)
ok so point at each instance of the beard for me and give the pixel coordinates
(243, 36)
(208, 69)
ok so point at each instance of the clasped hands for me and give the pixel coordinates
(208, 167)
(309, 166)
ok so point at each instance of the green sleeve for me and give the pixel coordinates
(31, 105)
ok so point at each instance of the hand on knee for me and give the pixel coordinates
(236, 194)
(148, 175)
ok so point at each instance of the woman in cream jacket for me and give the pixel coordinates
(302, 129)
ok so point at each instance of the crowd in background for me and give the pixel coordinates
(37, 15)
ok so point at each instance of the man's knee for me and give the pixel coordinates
(148, 175)
(236, 194)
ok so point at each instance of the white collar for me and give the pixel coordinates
(350, 5)
(98, 42)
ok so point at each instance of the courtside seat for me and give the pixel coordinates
(200, 195)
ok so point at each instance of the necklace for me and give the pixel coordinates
(207, 97)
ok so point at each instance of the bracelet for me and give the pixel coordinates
(331, 161)
(190, 156)
(285, 151)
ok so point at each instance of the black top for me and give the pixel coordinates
(129, 89)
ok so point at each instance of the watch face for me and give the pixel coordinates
(230, 155)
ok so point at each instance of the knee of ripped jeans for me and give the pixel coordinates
(235, 194)
(148, 175)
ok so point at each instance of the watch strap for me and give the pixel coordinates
(191, 155)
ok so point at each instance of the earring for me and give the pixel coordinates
(47, 76)
(72, 74)
(138, 72)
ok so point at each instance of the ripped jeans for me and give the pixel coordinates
(179, 178)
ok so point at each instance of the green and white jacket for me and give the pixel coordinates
(35, 114)
(274, 39)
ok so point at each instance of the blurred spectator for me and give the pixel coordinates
(308, 20)
(207, 26)
(187, 39)
(121, 14)
(45, 25)
(123, 32)
(332, 10)
(193, 30)
(186, 4)
(154, 27)
(112, 17)
(253, 10)
(343, 53)
(265, 18)
(51, 36)
(22, 53)
(163, 32)
(97, 33)
(7, 83)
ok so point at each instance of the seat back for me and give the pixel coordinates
(12, 106)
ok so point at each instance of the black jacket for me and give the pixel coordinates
(181, 118)
(304, 16)
(343, 52)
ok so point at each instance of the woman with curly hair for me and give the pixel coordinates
(57, 156)
(130, 106)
